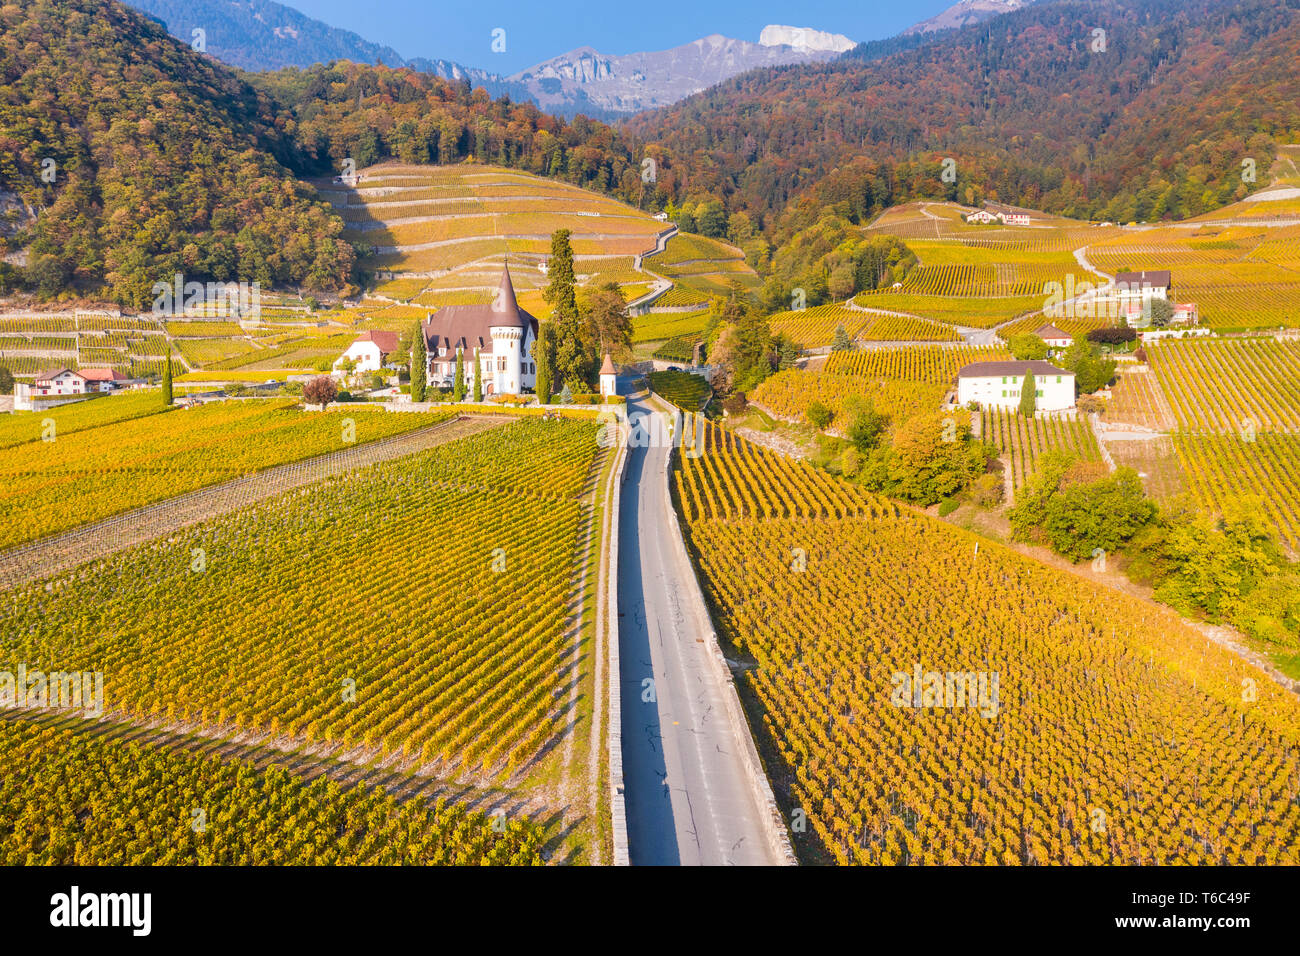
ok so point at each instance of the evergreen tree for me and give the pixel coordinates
(841, 342)
(573, 347)
(419, 366)
(560, 294)
(566, 395)
(1028, 399)
(478, 377)
(167, 381)
(542, 348)
(458, 385)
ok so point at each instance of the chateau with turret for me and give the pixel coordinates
(498, 336)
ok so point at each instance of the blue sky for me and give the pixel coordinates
(539, 29)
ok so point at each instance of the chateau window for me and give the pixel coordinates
(501, 363)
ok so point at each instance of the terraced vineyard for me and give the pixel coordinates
(1265, 466)
(466, 218)
(95, 472)
(1230, 385)
(933, 364)
(416, 640)
(952, 310)
(1236, 407)
(897, 328)
(1073, 325)
(658, 326)
(1136, 400)
(91, 801)
(678, 349)
(814, 327)
(1015, 753)
(683, 389)
(789, 393)
(20, 428)
(1240, 277)
(1022, 440)
(700, 267)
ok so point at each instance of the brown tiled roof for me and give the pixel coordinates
(387, 341)
(1017, 368)
(469, 326)
(102, 375)
(607, 366)
(1052, 332)
(1157, 278)
(53, 373)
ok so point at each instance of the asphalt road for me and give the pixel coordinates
(688, 799)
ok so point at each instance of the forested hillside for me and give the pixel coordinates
(1033, 108)
(140, 158)
(373, 113)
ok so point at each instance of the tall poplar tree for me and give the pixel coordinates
(543, 358)
(419, 366)
(167, 381)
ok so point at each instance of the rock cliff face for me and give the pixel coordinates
(803, 38)
(638, 81)
(964, 12)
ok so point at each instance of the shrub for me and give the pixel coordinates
(850, 462)
(948, 506)
(818, 415)
(735, 403)
(987, 490)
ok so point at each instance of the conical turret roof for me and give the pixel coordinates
(505, 307)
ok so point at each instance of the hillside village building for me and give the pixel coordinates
(369, 351)
(998, 384)
(67, 381)
(500, 334)
(1054, 338)
(1140, 286)
(997, 212)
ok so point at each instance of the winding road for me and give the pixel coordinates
(689, 800)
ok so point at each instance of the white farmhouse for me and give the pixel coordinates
(66, 381)
(1140, 286)
(1054, 338)
(368, 351)
(501, 335)
(998, 384)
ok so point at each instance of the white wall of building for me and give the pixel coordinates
(1055, 392)
(365, 354)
